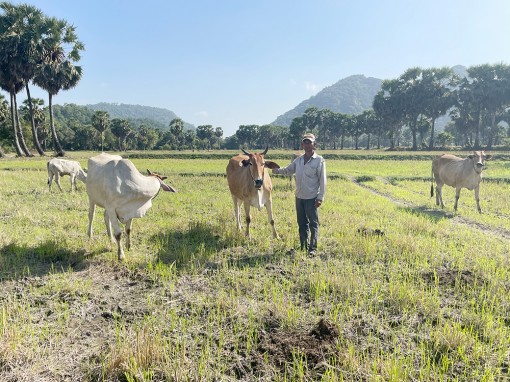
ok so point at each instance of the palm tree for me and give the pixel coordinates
(10, 79)
(101, 122)
(32, 111)
(59, 51)
(28, 20)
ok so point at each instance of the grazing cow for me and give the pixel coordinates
(249, 183)
(292, 159)
(459, 173)
(60, 167)
(116, 185)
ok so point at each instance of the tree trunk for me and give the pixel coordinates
(477, 131)
(56, 142)
(37, 144)
(490, 139)
(368, 141)
(21, 138)
(17, 147)
(431, 143)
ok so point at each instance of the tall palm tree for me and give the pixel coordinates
(13, 86)
(32, 111)
(101, 122)
(19, 26)
(59, 51)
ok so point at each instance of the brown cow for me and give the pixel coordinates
(249, 183)
(459, 173)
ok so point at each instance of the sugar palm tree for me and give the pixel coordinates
(28, 20)
(19, 25)
(59, 51)
(101, 122)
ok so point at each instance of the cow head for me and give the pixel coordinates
(164, 187)
(479, 158)
(256, 164)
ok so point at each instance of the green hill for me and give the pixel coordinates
(351, 95)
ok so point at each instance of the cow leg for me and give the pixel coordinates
(457, 196)
(269, 209)
(439, 195)
(128, 233)
(50, 179)
(108, 225)
(73, 182)
(248, 217)
(237, 211)
(117, 231)
(57, 180)
(477, 198)
(92, 210)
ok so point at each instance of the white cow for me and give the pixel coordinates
(117, 186)
(459, 173)
(59, 167)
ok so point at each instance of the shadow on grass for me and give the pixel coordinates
(201, 246)
(17, 261)
(432, 214)
(194, 246)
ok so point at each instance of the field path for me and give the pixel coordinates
(455, 218)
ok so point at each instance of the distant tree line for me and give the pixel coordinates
(39, 50)
(405, 112)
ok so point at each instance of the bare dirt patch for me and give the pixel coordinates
(82, 333)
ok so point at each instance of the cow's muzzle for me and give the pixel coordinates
(258, 184)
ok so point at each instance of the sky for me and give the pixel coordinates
(228, 63)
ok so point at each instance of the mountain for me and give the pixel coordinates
(351, 95)
(138, 113)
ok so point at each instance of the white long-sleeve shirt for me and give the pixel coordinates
(310, 177)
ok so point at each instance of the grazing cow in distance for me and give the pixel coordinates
(59, 167)
(250, 184)
(459, 173)
(116, 185)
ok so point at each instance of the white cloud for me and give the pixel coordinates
(311, 87)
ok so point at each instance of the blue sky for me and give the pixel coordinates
(233, 62)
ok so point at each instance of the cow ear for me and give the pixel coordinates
(471, 156)
(271, 165)
(163, 177)
(245, 162)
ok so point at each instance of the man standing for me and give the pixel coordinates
(310, 170)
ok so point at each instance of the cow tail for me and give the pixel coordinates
(431, 183)
(48, 168)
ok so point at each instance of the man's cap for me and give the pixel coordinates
(309, 136)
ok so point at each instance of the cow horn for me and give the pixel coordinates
(265, 151)
(246, 152)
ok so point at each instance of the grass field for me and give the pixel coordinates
(400, 290)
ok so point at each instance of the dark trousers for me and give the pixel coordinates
(308, 222)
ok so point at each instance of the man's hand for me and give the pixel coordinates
(318, 203)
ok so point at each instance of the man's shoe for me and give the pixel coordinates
(312, 253)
